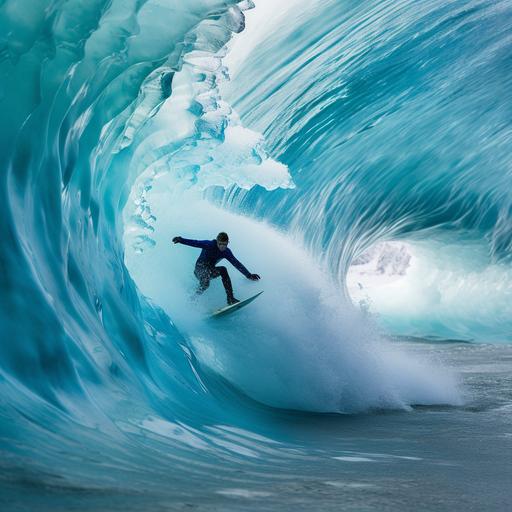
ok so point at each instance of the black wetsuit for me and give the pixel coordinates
(206, 268)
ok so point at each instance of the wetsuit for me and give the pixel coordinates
(206, 268)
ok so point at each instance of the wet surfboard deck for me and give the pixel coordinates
(227, 310)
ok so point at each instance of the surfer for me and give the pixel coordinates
(212, 252)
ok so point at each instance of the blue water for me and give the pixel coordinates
(358, 155)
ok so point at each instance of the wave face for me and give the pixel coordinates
(350, 126)
(396, 124)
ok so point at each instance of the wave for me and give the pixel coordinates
(122, 129)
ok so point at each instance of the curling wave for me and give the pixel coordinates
(122, 129)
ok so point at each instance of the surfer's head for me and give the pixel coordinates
(222, 241)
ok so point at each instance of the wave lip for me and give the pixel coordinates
(83, 355)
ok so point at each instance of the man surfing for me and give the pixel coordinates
(212, 252)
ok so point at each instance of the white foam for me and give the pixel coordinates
(299, 345)
(435, 288)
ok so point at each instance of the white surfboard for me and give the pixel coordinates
(233, 307)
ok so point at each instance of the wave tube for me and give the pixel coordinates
(302, 330)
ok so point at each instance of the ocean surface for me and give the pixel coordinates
(358, 155)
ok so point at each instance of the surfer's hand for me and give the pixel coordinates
(177, 239)
(254, 277)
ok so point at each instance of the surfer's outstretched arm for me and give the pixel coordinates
(240, 267)
(201, 244)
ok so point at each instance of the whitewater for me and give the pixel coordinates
(358, 155)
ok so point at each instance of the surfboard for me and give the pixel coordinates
(234, 307)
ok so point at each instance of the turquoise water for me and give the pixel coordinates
(357, 154)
